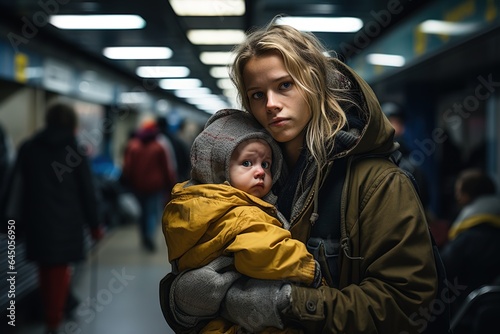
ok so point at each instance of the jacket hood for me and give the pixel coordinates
(368, 131)
(224, 131)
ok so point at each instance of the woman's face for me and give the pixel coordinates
(275, 100)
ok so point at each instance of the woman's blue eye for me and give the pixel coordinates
(257, 95)
(286, 85)
(246, 163)
(266, 165)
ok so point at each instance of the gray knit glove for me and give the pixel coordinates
(256, 304)
(199, 292)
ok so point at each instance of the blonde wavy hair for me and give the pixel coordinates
(308, 63)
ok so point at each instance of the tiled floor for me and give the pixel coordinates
(118, 289)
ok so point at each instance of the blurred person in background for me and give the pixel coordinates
(7, 156)
(471, 256)
(149, 172)
(395, 114)
(51, 196)
(179, 147)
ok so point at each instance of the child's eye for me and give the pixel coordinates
(246, 163)
(266, 165)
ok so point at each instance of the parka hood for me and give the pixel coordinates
(368, 131)
(224, 131)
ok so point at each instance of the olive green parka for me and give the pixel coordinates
(388, 278)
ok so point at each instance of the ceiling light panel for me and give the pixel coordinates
(97, 22)
(385, 59)
(162, 71)
(180, 83)
(136, 52)
(219, 72)
(448, 28)
(216, 58)
(192, 92)
(225, 84)
(322, 24)
(208, 8)
(216, 36)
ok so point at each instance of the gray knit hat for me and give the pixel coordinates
(223, 132)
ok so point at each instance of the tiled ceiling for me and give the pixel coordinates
(165, 28)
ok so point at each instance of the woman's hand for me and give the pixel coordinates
(200, 292)
(256, 304)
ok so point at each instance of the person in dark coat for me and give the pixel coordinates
(471, 256)
(57, 200)
(181, 150)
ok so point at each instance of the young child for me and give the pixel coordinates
(227, 208)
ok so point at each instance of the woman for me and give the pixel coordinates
(319, 111)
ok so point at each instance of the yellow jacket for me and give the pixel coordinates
(202, 222)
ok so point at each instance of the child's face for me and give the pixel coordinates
(250, 167)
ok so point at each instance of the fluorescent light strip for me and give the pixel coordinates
(133, 52)
(101, 22)
(385, 59)
(180, 83)
(208, 8)
(216, 36)
(162, 71)
(225, 83)
(447, 28)
(192, 92)
(216, 58)
(219, 72)
(322, 24)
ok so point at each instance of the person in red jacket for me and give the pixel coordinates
(148, 169)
